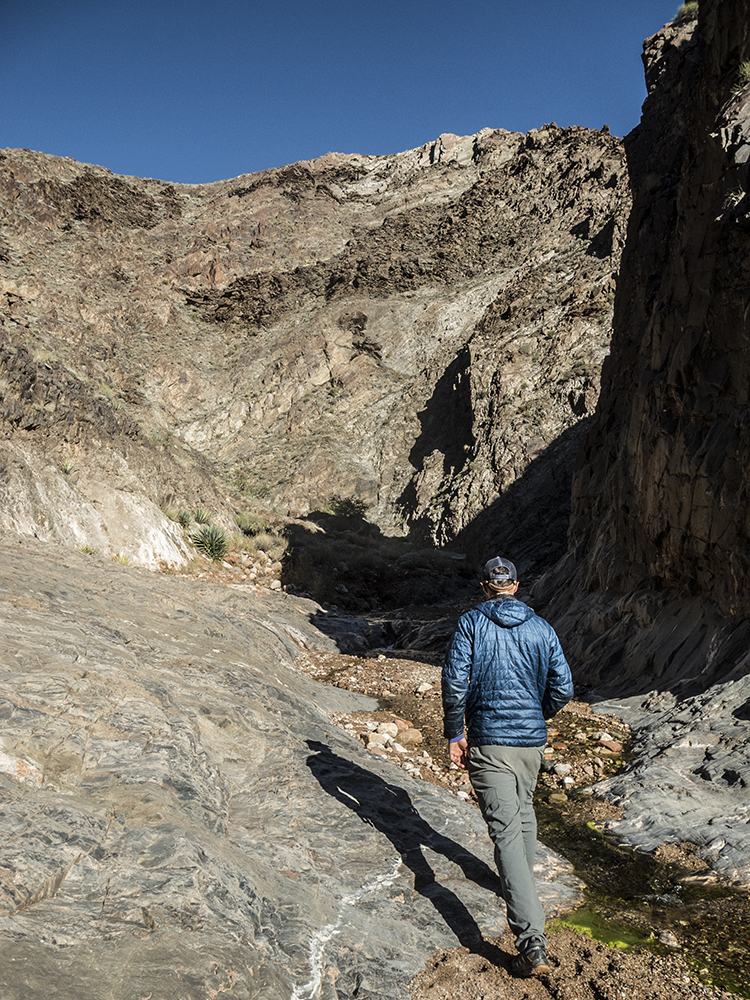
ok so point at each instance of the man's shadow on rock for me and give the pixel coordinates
(389, 809)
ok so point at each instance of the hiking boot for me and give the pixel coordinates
(532, 961)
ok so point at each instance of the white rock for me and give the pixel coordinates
(424, 687)
(389, 728)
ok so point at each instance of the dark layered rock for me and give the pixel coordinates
(652, 597)
(661, 492)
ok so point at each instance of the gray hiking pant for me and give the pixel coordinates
(504, 779)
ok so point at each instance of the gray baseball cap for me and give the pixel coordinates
(499, 570)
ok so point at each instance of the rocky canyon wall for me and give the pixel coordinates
(418, 331)
(651, 599)
(661, 492)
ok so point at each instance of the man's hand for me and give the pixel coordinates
(458, 752)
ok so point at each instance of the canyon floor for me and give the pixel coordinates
(677, 947)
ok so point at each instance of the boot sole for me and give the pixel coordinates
(539, 970)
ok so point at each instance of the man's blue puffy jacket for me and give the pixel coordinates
(505, 673)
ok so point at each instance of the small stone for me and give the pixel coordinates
(376, 739)
(612, 745)
(668, 938)
(561, 769)
(559, 746)
(389, 728)
(558, 797)
(568, 782)
(403, 724)
(424, 687)
(410, 737)
(275, 584)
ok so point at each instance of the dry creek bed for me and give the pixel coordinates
(582, 748)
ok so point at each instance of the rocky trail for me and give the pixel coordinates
(668, 900)
(188, 811)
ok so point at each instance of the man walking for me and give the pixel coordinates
(505, 673)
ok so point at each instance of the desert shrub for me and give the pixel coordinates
(347, 506)
(67, 467)
(201, 515)
(185, 518)
(688, 11)
(121, 558)
(211, 540)
(274, 545)
(252, 524)
(743, 77)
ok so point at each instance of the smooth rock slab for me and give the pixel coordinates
(180, 818)
(689, 775)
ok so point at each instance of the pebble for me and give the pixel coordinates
(424, 687)
(410, 737)
(667, 937)
(376, 739)
(389, 728)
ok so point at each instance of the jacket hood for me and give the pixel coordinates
(506, 612)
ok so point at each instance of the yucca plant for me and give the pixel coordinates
(201, 515)
(185, 518)
(211, 540)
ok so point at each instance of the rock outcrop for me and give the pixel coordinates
(417, 331)
(652, 598)
(181, 818)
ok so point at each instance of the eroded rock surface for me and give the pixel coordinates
(661, 491)
(180, 817)
(416, 331)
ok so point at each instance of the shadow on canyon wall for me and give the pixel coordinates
(528, 522)
(349, 562)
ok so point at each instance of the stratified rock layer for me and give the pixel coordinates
(180, 818)
(416, 331)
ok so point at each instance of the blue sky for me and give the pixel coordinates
(193, 92)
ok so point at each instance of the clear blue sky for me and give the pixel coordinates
(193, 92)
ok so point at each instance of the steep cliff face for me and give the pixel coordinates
(652, 599)
(416, 331)
(661, 493)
